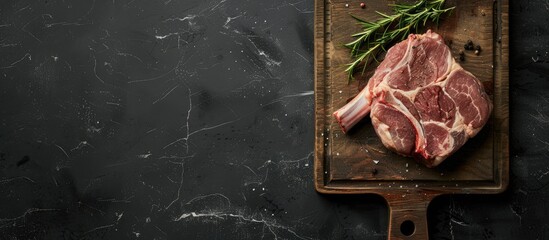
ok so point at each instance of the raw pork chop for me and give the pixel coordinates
(421, 102)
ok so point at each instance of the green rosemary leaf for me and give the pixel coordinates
(377, 36)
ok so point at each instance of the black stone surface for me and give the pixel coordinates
(134, 119)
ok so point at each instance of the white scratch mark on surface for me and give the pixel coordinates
(540, 117)
(115, 122)
(258, 182)
(270, 225)
(182, 165)
(196, 215)
(516, 214)
(9, 44)
(307, 93)
(153, 78)
(118, 164)
(269, 61)
(299, 9)
(298, 160)
(95, 69)
(7, 180)
(160, 230)
(113, 200)
(212, 127)
(188, 119)
(217, 5)
(113, 103)
(459, 222)
(81, 145)
(229, 19)
(197, 131)
(23, 8)
(170, 179)
(543, 174)
(94, 129)
(29, 211)
(55, 181)
(268, 162)
(64, 24)
(27, 55)
(62, 150)
(128, 3)
(130, 55)
(118, 216)
(160, 37)
(98, 228)
(250, 169)
(304, 58)
(144, 156)
(186, 139)
(28, 32)
(165, 94)
(455, 212)
(451, 229)
(208, 196)
(186, 18)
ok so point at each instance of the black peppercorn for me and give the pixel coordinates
(477, 48)
(469, 45)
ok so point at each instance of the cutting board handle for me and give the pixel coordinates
(408, 215)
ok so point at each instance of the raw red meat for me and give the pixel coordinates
(421, 101)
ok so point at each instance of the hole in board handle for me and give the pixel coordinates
(407, 228)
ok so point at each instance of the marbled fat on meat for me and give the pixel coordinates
(421, 101)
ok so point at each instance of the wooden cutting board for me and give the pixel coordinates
(358, 163)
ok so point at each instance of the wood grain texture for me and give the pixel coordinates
(357, 162)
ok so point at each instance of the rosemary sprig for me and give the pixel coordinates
(376, 36)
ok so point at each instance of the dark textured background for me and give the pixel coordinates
(134, 119)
